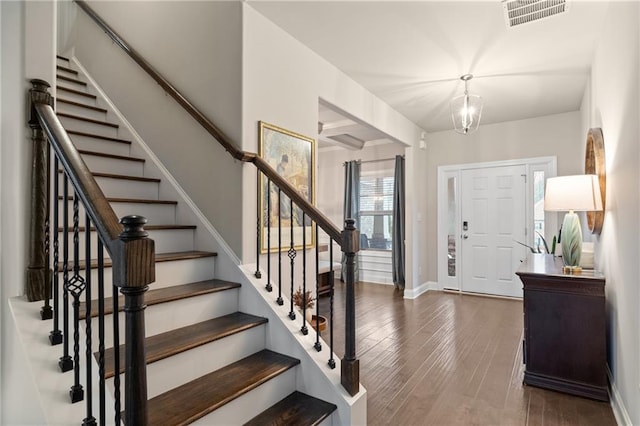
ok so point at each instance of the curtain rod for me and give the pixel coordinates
(373, 161)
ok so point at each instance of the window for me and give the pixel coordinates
(538, 210)
(376, 210)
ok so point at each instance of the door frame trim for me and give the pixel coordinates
(549, 164)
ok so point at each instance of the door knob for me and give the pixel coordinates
(465, 236)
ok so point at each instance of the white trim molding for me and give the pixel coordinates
(617, 405)
(413, 293)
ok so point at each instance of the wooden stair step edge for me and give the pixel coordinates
(80, 104)
(61, 68)
(123, 177)
(77, 92)
(146, 227)
(297, 409)
(71, 80)
(163, 295)
(112, 156)
(62, 57)
(164, 345)
(96, 136)
(128, 200)
(87, 119)
(194, 400)
(160, 257)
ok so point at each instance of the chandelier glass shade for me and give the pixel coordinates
(466, 109)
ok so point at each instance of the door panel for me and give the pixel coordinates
(493, 205)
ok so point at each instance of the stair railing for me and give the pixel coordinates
(348, 239)
(133, 267)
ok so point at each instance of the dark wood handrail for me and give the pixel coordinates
(93, 199)
(248, 157)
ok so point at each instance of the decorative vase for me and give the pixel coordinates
(571, 240)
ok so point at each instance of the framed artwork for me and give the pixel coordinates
(293, 156)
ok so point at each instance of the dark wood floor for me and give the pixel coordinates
(449, 359)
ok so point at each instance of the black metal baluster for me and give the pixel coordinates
(116, 353)
(292, 256)
(75, 286)
(317, 345)
(55, 337)
(332, 362)
(269, 287)
(47, 312)
(89, 420)
(258, 274)
(65, 363)
(304, 328)
(279, 300)
(101, 332)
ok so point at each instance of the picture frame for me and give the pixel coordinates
(292, 155)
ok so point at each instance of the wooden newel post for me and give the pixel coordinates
(350, 373)
(135, 256)
(38, 272)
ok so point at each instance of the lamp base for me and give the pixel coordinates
(571, 240)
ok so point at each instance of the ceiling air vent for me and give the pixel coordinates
(518, 12)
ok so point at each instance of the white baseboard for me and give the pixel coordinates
(617, 405)
(412, 293)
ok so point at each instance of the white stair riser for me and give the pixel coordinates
(84, 126)
(72, 84)
(166, 241)
(249, 405)
(168, 316)
(196, 362)
(78, 110)
(113, 165)
(167, 274)
(122, 188)
(157, 214)
(100, 145)
(75, 97)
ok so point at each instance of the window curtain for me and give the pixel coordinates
(397, 240)
(351, 206)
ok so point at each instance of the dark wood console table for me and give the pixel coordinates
(564, 328)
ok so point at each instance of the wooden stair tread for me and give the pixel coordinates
(71, 80)
(194, 400)
(123, 177)
(164, 345)
(163, 295)
(160, 257)
(146, 227)
(88, 120)
(296, 409)
(93, 135)
(130, 200)
(62, 57)
(74, 91)
(113, 156)
(66, 69)
(80, 104)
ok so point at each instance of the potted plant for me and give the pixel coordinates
(304, 302)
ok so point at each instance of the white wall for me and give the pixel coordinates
(197, 47)
(613, 106)
(21, 60)
(560, 135)
(282, 83)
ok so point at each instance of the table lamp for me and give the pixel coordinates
(572, 193)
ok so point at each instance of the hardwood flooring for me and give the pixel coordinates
(449, 359)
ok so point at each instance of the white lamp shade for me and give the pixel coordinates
(577, 193)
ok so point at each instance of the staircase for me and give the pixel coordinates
(206, 361)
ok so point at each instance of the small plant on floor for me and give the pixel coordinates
(303, 301)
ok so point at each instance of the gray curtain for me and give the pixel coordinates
(397, 239)
(351, 205)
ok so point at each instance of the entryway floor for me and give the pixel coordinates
(449, 359)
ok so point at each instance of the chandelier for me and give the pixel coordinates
(466, 109)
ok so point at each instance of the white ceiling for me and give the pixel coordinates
(411, 54)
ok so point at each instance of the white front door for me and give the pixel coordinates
(493, 219)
